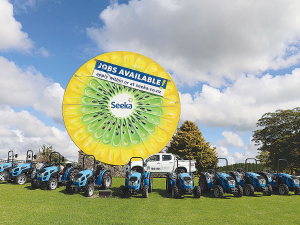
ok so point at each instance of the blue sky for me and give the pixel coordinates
(232, 61)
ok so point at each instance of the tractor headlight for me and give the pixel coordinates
(262, 181)
(188, 183)
(296, 181)
(40, 175)
(77, 180)
(132, 183)
(231, 182)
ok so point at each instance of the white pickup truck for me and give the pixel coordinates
(162, 163)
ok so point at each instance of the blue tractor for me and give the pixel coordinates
(251, 181)
(282, 182)
(181, 183)
(137, 180)
(7, 165)
(49, 174)
(23, 171)
(89, 178)
(68, 173)
(220, 182)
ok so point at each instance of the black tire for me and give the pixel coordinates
(203, 184)
(52, 184)
(283, 189)
(21, 179)
(145, 191)
(89, 189)
(34, 183)
(175, 192)
(106, 180)
(122, 192)
(240, 191)
(218, 191)
(197, 192)
(4, 175)
(168, 184)
(270, 190)
(68, 187)
(72, 174)
(150, 183)
(249, 190)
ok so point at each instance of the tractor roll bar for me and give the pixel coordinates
(137, 157)
(94, 162)
(278, 164)
(246, 165)
(217, 163)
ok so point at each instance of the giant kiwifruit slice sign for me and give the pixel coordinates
(119, 105)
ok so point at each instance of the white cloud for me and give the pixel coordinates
(208, 41)
(222, 151)
(11, 34)
(231, 139)
(238, 157)
(20, 131)
(243, 103)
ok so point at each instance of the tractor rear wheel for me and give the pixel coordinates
(68, 187)
(197, 192)
(168, 184)
(240, 191)
(106, 180)
(122, 191)
(270, 190)
(218, 191)
(145, 191)
(249, 190)
(150, 183)
(52, 184)
(21, 179)
(175, 192)
(203, 184)
(283, 189)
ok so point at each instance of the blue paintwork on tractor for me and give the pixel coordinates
(44, 174)
(291, 181)
(5, 166)
(16, 171)
(133, 180)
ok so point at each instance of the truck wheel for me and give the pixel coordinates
(52, 184)
(203, 184)
(150, 183)
(218, 191)
(283, 189)
(197, 192)
(106, 181)
(145, 191)
(89, 190)
(21, 179)
(270, 190)
(72, 174)
(175, 192)
(122, 191)
(34, 183)
(68, 187)
(240, 191)
(168, 184)
(249, 190)
(3, 176)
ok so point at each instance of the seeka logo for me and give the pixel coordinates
(115, 105)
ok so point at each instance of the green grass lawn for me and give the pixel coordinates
(23, 205)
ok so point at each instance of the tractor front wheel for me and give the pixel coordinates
(297, 191)
(249, 190)
(175, 192)
(106, 180)
(270, 190)
(197, 192)
(145, 191)
(240, 191)
(3, 176)
(89, 190)
(68, 187)
(283, 189)
(34, 183)
(218, 191)
(21, 179)
(52, 184)
(122, 191)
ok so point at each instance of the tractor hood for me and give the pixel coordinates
(81, 178)
(187, 180)
(18, 169)
(134, 180)
(5, 166)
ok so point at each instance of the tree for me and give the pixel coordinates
(279, 137)
(188, 142)
(44, 155)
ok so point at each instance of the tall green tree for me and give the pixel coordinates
(279, 137)
(44, 155)
(188, 142)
